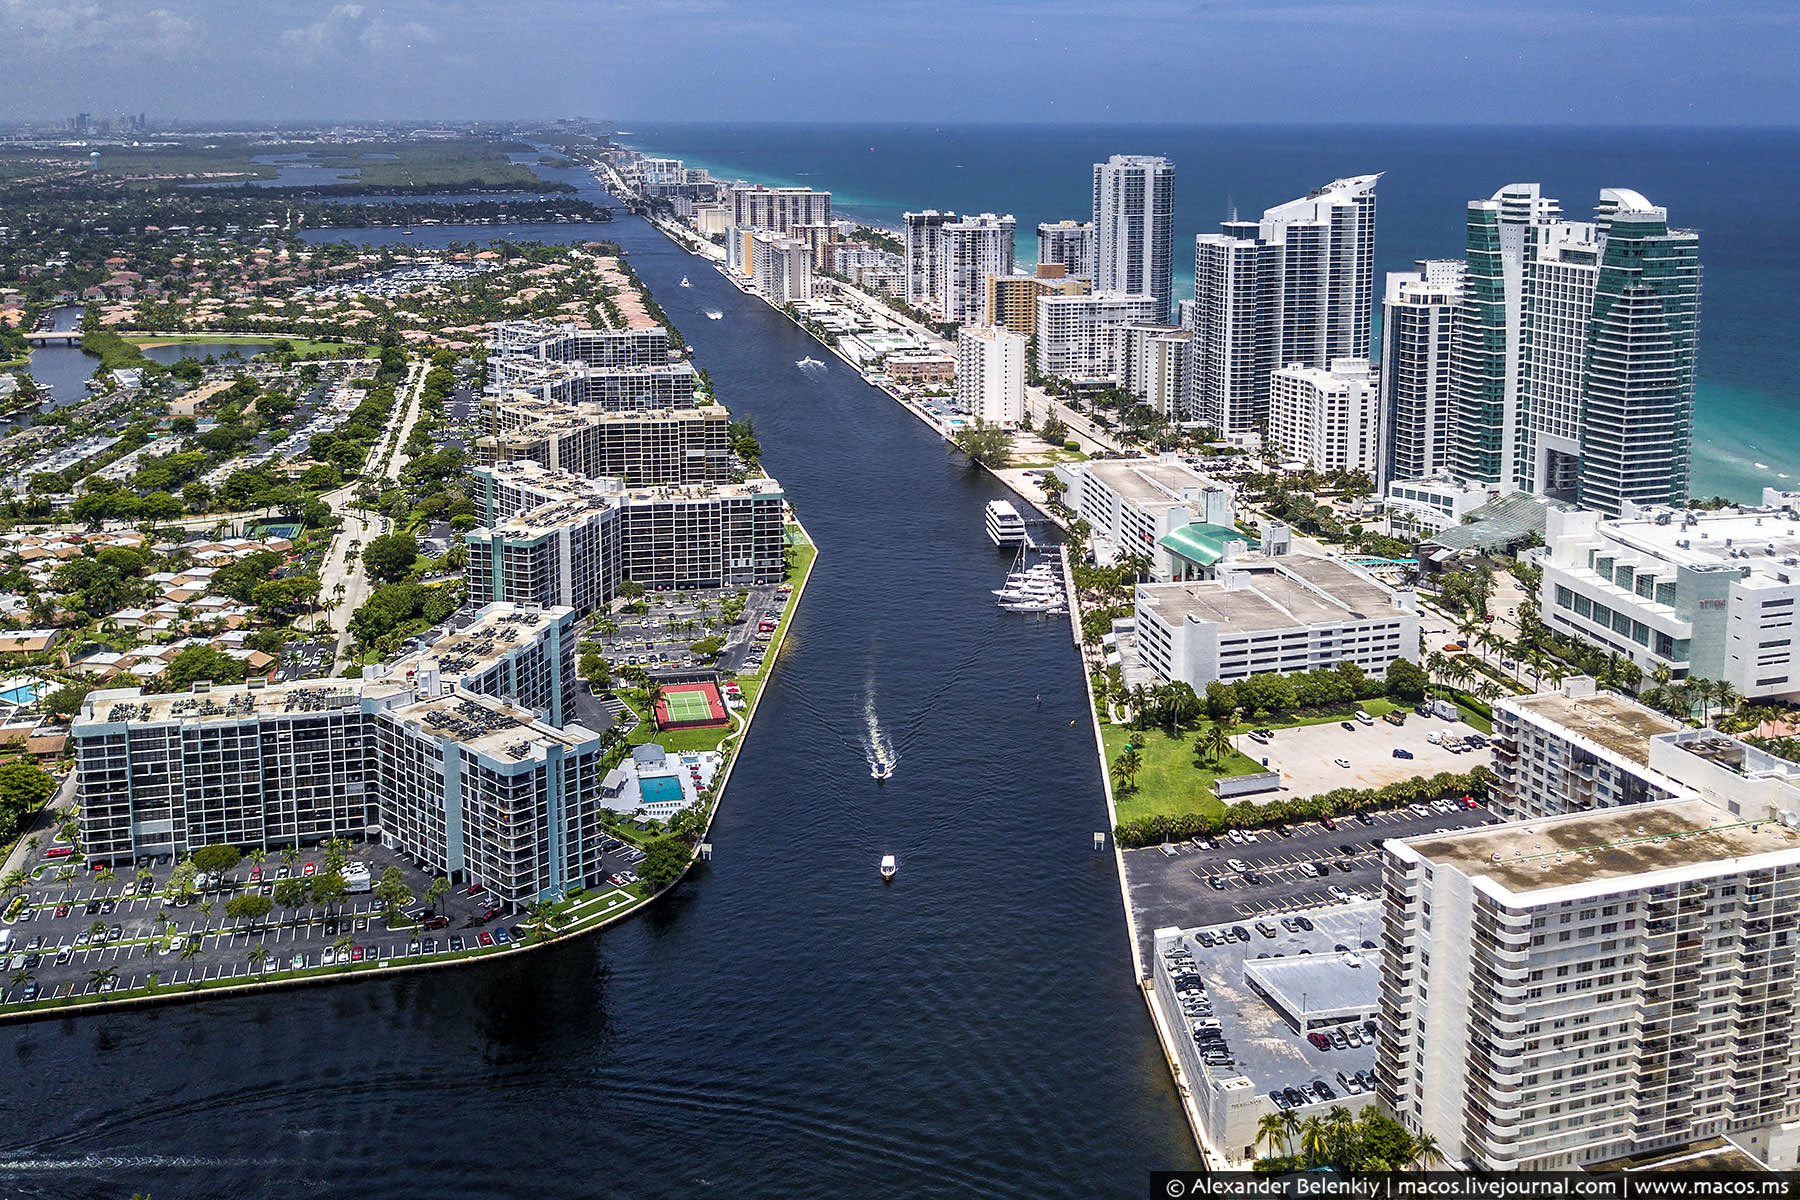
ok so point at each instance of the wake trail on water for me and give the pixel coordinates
(954, 676)
(878, 747)
(120, 1162)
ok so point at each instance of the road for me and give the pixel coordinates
(343, 565)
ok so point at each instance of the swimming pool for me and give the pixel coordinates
(24, 694)
(660, 789)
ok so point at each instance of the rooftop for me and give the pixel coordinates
(1203, 543)
(488, 726)
(497, 631)
(1761, 540)
(1265, 595)
(1554, 852)
(1146, 481)
(1610, 721)
(220, 703)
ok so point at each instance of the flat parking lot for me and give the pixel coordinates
(663, 637)
(116, 937)
(1306, 754)
(1173, 885)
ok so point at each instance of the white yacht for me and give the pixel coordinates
(889, 868)
(1004, 524)
(684, 282)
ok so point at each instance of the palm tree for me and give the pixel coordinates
(257, 856)
(290, 855)
(21, 977)
(191, 949)
(1215, 743)
(1726, 696)
(1315, 1141)
(1126, 766)
(65, 875)
(258, 958)
(98, 976)
(1269, 1128)
(1426, 1152)
(1290, 1129)
(436, 890)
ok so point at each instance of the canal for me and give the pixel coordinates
(784, 1025)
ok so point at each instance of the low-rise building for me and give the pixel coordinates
(1131, 504)
(1272, 615)
(1434, 504)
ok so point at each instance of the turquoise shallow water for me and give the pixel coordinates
(1739, 188)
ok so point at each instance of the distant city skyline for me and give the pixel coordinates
(1659, 62)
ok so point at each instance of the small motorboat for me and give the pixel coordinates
(889, 868)
(684, 282)
(882, 770)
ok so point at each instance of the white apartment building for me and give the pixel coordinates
(1295, 287)
(1272, 615)
(1134, 214)
(1078, 335)
(1131, 504)
(1573, 749)
(990, 374)
(923, 235)
(1069, 244)
(781, 267)
(1707, 594)
(969, 251)
(1418, 344)
(1602, 984)
(778, 209)
(1153, 362)
(1327, 418)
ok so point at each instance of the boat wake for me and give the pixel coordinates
(878, 748)
(713, 314)
(809, 364)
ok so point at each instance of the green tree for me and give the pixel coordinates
(216, 859)
(1126, 766)
(436, 890)
(664, 860)
(250, 906)
(393, 892)
(329, 889)
(258, 958)
(290, 893)
(1405, 681)
(391, 556)
(98, 977)
(986, 445)
(199, 664)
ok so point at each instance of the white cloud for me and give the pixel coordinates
(346, 26)
(87, 27)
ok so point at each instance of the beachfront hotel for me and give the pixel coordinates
(774, 209)
(1296, 286)
(1575, 345)
(1078, 336)
(1132, 504)
(1069, 245)
(1588, 987)
(969, 251)
(1012, 299)
(922, 233)
(1704, 594)
(1134, 221)
(1419, 314)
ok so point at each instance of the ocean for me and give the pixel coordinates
(1739, 188)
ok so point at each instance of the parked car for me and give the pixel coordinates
(1337, 893)
(1400, 752)
(487, 939)
(1350, 725)
(1237, 864)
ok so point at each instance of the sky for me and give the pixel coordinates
(1602, 62)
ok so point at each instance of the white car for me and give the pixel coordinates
(1238, 864)
(1364, 718)
(1337, 893)
(1235, 836)
(1342, 762)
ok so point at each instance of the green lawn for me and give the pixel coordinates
(1168, 782)
(300, 345)
(1325, 716)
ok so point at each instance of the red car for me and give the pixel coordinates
(487, 939)
(491, 913)
(475, 889)
(62, 910)
(308, 869)
(255, 874)
(356, 954)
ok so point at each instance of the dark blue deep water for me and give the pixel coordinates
(1739, 188)
(784, 1025)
